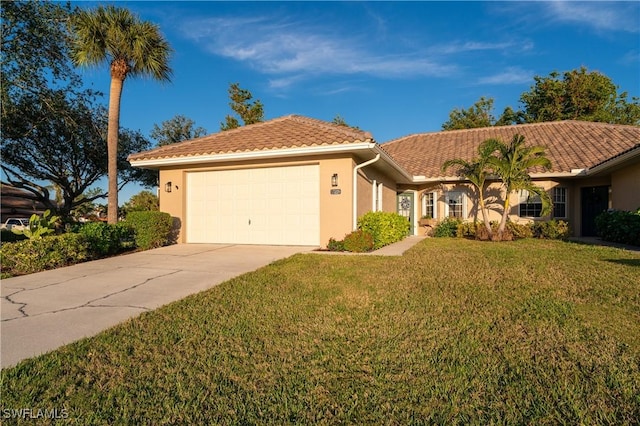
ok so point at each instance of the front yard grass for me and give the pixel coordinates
(453, 332)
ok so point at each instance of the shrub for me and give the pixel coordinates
(467, 229)
(447, 227)
(552, 229)
(359, 241)
(39, 254)
(105, 239)
(151, 228)
(385, 228)
(519, 230)
(39, 226)
(335, 245)
(619, 226)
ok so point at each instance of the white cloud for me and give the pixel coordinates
(609, 16)
(512, 75)
(280, 48)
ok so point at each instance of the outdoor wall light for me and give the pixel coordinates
(167, 187)
(334, 180)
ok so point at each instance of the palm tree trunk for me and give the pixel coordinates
(505, 214)
(115, 93)
(485, 217)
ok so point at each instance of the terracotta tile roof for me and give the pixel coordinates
(569, 145)
(285, 132)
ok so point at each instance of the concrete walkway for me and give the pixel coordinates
(43, 311)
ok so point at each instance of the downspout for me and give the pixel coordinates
(355, 188)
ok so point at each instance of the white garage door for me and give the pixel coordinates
(275, 205)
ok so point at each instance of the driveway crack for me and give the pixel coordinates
(90, 304)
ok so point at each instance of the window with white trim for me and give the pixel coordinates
(429, 204)
(530, 204)
(455, 204)
(559, 202)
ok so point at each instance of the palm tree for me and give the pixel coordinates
(132, 48)
(512, 165)
(476, 171)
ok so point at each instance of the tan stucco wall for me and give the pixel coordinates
(625, 188)
(335, 209)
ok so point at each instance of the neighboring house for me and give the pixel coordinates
(300, 181)
(14, 203)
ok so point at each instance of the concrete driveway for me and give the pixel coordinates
(43, 311)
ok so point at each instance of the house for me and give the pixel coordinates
(300, 181)
(16, 202)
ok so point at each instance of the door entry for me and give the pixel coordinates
(593, 201)
(405, 208)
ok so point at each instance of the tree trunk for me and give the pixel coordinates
(115, 93)
(485, 216)
(505, 214)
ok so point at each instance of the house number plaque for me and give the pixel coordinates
(336, 192)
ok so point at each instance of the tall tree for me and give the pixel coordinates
(53, 134)
(579, 95)
(480, 114)
(476, 171)
(249, 112)
(132, 48)
(511, 164)
(177, 129)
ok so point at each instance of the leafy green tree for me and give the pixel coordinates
(578, 95)
(177, 129)
(142, 201)
(480, 114)
(511, 164)
(53, 134)
(341, 122)
(249, 112)
(132, 48)
(476, 171)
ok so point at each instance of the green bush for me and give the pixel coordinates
(40, 254)
(519, 230)
(105, 239)
(551, 230)
(385, 228)
(335, 245)
(358, 241)
(151, 228)
(467, 229)
(447, 227)
(619, 226)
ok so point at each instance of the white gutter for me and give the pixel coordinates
(355, 188)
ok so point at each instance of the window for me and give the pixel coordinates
(530, 204)
(429, 200)
(559, 202)
(455, 205)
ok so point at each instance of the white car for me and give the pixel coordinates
(15, 223)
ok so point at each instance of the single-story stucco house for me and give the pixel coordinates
(300, 181)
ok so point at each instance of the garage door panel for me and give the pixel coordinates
(277, 205)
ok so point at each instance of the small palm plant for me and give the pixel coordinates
(511, 165)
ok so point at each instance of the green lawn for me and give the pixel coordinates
(453, 332)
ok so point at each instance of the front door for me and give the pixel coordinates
(594, 200)
(405, 208)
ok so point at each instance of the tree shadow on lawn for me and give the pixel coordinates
(628, 262)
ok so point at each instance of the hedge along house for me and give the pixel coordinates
(288, 181)
(300, 181)
(595, 167)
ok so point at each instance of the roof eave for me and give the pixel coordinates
(156, 163)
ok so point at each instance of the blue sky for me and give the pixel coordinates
(391, 68)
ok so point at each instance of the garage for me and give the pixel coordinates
(270, 205)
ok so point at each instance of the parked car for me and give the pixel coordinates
(15, 223)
